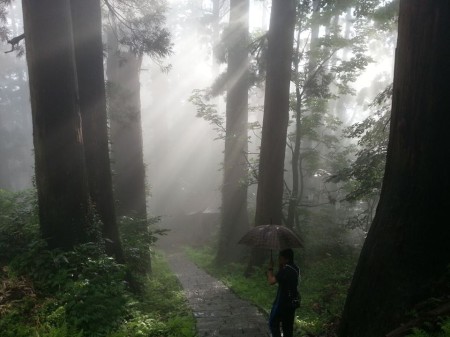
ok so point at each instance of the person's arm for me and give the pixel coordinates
(270, 276)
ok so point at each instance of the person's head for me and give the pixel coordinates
(286, 256)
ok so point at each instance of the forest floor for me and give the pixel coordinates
(218, 311)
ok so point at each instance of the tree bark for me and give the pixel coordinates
(123, 69)
(276, 113)
(58, 142)
(87, 29)
(297, 179)
(126, 131)
(234, 221)
(276, 116)
(407, 247)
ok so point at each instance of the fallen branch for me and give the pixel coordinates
(441, 310)
(14, 42)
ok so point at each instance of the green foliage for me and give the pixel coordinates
(207, 111)
(323, 287)
(443, 330)
(140, 26)
(366, 171)
(18, 222)
(82, 292)
(324, 68)
(384, 13)
(96, 300)
(4, 31)
(138, 236)
(162, 311)
(17, 300)
(323, 233)
(89, 284)
(362, 177)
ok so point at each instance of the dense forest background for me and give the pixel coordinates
(128, 128)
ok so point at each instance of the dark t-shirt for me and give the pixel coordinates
(287, 279)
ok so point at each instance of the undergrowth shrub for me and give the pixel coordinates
(18, 223)
(163, 310)
(443, 330)
(138, 237)
(83, 292)
(89, 284)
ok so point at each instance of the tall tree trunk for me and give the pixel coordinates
(87, 29)
(407, 248)
(126, 131)
(276, 113)
(58, 142)
(123, 69)
(234, 190)
(215, 37)
(276, 116)
(314, 39)
(297, 179)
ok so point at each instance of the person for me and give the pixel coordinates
(283, 311)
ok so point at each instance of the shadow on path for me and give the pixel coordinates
(218, 311)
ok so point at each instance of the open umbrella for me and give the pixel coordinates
(271, 237)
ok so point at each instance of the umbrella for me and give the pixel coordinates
(271, 237)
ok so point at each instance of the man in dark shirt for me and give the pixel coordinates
(283, 310)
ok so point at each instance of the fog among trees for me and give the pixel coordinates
(136, 132)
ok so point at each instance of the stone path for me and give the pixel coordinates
(218, 311)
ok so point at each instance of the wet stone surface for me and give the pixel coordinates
(217, 310)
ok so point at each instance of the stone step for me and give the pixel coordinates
(217, 310)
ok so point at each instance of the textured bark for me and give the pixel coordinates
(407, 247)
(126, 134)
(234, 221)
(126, 131)
(87, 29)
(276, 113)
(58, 142)
(296, 194)
(276, 116)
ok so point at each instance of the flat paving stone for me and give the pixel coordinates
(217, 310)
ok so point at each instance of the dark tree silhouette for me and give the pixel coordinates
(276, 113)
(126, 132)
(269, 198)
(135, 28)
(407, 248)
(87, 32)
(58, 141)
(234, 189)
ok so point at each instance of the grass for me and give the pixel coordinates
(162, 311)
(323, 288)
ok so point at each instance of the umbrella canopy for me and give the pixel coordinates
(271, 237)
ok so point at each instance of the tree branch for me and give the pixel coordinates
(14, 42)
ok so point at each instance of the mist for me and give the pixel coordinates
(183, 152)
(164, 163)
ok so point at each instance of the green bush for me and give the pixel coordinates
(83, 292)
(18, 223)
(443, 330)
(89, 284)
(95, 302)
(162, 310)
(138, 238)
